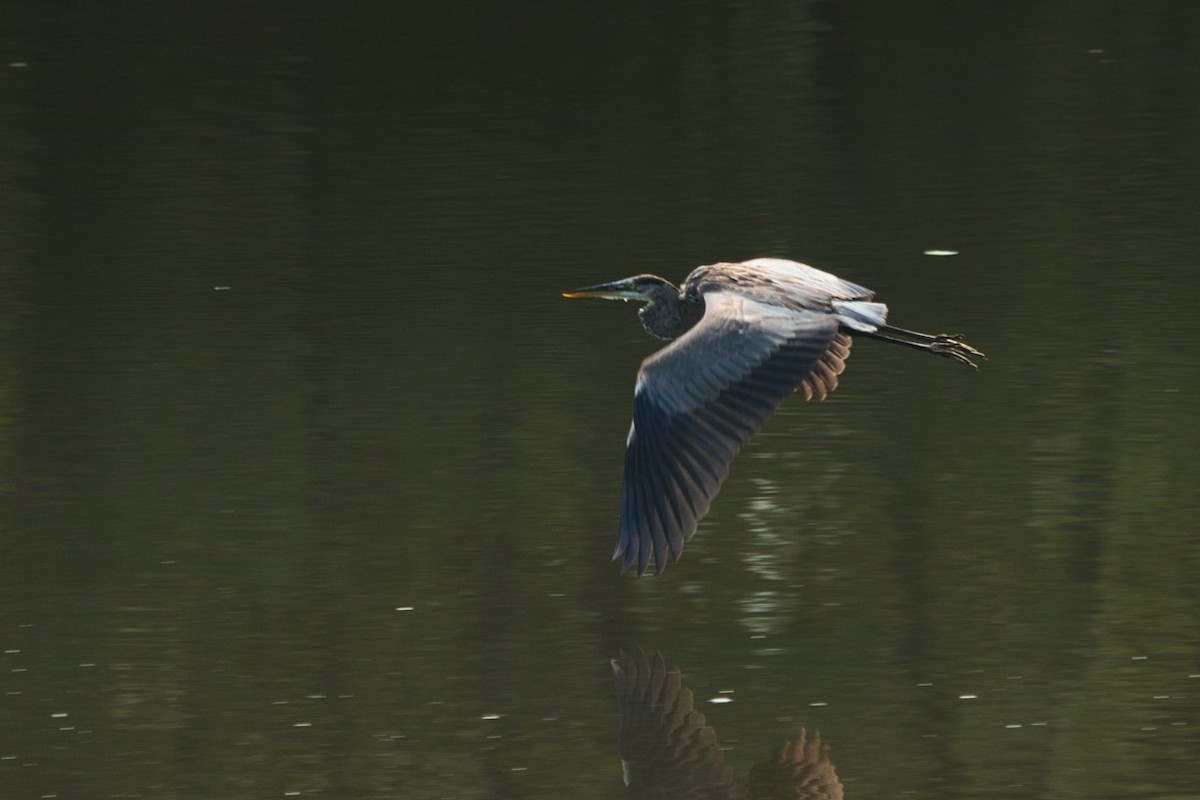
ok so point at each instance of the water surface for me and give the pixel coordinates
(310, 476)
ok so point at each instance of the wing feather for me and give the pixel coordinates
(824, 377)
(700, 399)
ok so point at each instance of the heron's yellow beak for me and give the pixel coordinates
(614, 290)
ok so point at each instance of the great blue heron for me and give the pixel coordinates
(745, 336)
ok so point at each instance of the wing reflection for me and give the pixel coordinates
(668, 749)
(800, 770)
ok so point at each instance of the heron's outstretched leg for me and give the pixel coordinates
(949, 345)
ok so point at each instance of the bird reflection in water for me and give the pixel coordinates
(745, 336)
(669, 751)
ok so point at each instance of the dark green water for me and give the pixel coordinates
(309, 477)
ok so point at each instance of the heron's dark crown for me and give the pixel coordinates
(649, 283)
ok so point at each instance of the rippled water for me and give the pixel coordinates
(310, 476)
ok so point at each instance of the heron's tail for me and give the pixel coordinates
(860, 315)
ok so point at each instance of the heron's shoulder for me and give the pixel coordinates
(726, 276)
(710, 276)
(774, 279)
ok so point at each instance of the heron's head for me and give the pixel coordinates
(645, 288)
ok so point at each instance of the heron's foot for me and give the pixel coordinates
(952, 346)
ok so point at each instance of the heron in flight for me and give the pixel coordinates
(743, 337)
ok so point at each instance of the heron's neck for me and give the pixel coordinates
(668, 316)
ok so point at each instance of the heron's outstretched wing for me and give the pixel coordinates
(700, 399)
(799, 770)
(667, 747)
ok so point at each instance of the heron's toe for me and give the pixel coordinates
(954, 347)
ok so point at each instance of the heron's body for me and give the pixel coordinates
(743, 336)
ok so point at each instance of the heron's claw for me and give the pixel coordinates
(952, 346)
